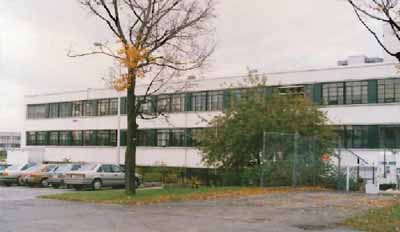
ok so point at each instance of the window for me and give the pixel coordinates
(103, 138)
(124, 105)
(356, 136)
(65, 138)
(199, 101)
(65, 109)
(194, 133)
(163, 103)
(162, 138)
(41, 138)
(103, 107)
(53, 138)
(389, 90)
(89, 138)
(333, 93)
(77, 139)
(146, 106)
(77, 109)
(147, 138)
(113, 138)
(90, 108)
(389, 136)
(291, 90)
(357, 92)
(340, 136)
(178, 103)
(215, 101)
(113, 106)
(178, 138)
(37, 111)
(53, 110)
(31, 138)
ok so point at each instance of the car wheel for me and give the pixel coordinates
(44, 183)
(137, 182)
(20, 181)
(97, 184)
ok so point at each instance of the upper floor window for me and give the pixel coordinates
(30, 138)
(199, 101)
(357, 92)
(333, 94)
(178, 103)
(53, 110)
(389, 90)
(37, 111)
(163, 103)
(103, 107)
(113, 106)
(77, 108)
(65, 109)
(90, 108)
(215, 101)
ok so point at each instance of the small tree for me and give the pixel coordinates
(235, 140)
(384, 11)
(157, 39)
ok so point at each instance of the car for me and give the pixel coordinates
(97, 175)
(4, 166)
(57, 176)
(38, 175)
(12, 175)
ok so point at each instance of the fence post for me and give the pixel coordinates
(347, 179)
(294, 178)
(262, 157)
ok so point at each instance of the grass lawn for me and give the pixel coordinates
(153, 196)
(382, 220)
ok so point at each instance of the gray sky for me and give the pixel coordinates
(278, 35)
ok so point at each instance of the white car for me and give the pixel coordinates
(97, 176)
(13, 174)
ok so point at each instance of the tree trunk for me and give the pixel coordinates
(130, 153)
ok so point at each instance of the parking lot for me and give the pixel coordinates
(21, 210)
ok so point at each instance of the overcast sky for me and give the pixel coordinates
(267, 35)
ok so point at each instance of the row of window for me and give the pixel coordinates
(369, 136)
(99, 107)
(348, 136)
(161, 138)
(338, 93)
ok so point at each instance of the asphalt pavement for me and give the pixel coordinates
(22, 211)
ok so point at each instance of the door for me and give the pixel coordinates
(119, 175)
(106, 174)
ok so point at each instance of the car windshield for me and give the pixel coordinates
(88, 167)
(34, 168)
(2, 167)
(16, 167)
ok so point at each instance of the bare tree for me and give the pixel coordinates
(385, 11)
(157, 40)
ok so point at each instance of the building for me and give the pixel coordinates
(9, 140)
(362, 101)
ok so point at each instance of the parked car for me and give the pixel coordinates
(97, 176)
(57, 176)
(38, 175)
(12, 175)
(4, 166)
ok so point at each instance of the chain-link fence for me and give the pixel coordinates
(284, 160)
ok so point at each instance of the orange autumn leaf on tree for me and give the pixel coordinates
(131, 57)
